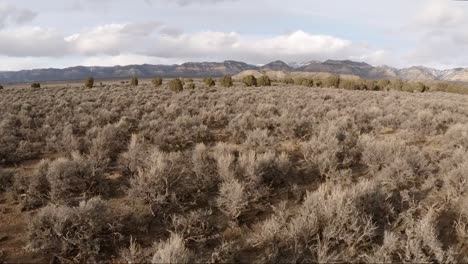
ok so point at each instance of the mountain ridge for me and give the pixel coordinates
(231, 67)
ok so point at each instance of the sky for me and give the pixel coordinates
(398, 33)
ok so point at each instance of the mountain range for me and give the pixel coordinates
(217, 69)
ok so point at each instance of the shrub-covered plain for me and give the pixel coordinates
(288, 173)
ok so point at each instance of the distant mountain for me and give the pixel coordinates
(217, 69)
(190, 69)
(276, 66)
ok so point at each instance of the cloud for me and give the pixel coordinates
(135, 41)
(13, 15)
(441, 36)
(440, 13)
(32, 42)
(295, 46)
(190, 2)
(112, 39)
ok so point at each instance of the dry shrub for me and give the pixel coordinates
(132, 254)
(134, 157)
(457, 135)
(6, 180)
(81, 234)
(409, 169)
(264, 168)
(35, 192)
(334, 147)
(74, 179)
(232, 199)
(378, 153)
(109, 142)
(204, 167)
(172, 250)
(162, 182)
(259, 140)
(226, 166)
(194, 226)
(328, 228)
(419, 244)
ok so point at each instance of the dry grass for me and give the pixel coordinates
(285, 173)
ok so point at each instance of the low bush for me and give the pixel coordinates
(232, 199)
(35, 85)
(176, 85)
(226, 81)
(307, 82)
(162, 182)
(250, 80)
(288, 80)
(157, 82)
(172, 250)
(210, 82)
(332, 81)
(264, 81)
(189, 86)
(74, 179)
(6, 180)
(81, 234)
(134, 81)
(89, 82)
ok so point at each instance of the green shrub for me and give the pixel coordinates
(89, 82)
(134, 81)
(307, 82)
(189, 85)
(157, 82)
(1, 87)
(384, 84)
(264, 81)
(319, 83)
(288, 81)
(397, 84)
(250, 80)
(209, 82)
(176, 85)
(298, 81)
(35, 85)
(415, 87)
(332, 81)
(226, 81)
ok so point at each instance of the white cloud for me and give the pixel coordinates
(441, 36)
(190, 2)
(13, 15)
(295, 46)
(440, 13)
(153, 42)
